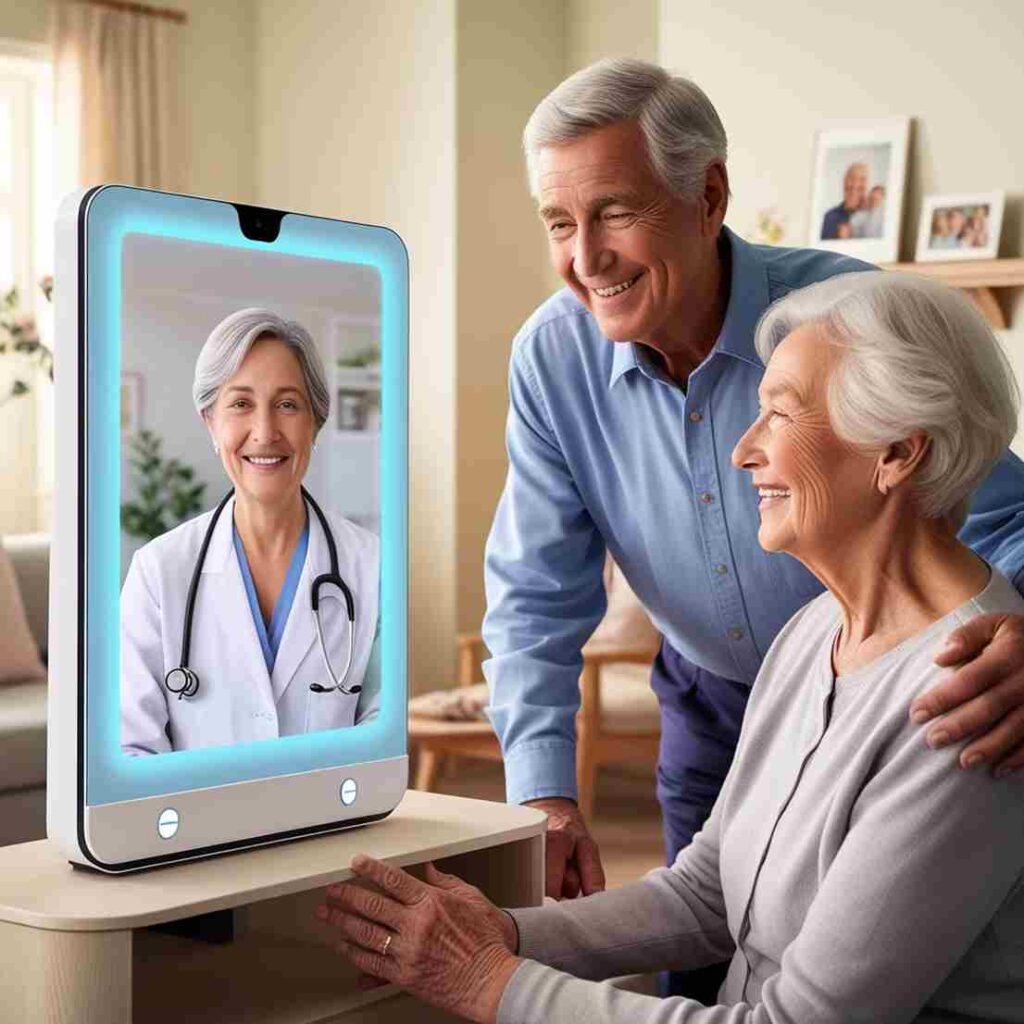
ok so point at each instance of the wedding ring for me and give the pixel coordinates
(384, 948)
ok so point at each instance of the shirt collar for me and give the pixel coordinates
(748, 298)
(623, 359)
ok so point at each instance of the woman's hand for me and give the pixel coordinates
(984, 698)
(440, 939)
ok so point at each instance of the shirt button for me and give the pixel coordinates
(695, 417)
(721, 569)
(736, 633)
(707, 497)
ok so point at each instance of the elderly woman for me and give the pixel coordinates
(220, 641)
(850, 873)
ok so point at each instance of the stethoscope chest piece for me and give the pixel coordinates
(182, 681)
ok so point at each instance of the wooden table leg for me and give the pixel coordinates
(66, 977)
(426, 769)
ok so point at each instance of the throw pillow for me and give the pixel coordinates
(19, 657)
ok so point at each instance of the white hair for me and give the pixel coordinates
(916, 356)
(229, 343)
(681, 128)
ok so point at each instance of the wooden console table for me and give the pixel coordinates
(80, 947)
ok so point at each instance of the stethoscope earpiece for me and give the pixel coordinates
(319, 688)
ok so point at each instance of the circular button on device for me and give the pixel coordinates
(167, 823)
(348, 792)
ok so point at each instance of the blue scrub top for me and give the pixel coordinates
(270, 636)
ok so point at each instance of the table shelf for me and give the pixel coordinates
(986, 282)
(80, 947)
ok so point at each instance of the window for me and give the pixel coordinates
(27, 209)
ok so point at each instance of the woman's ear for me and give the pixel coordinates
(900, 460)
(208, 423)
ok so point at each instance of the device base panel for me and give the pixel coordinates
(129, 836)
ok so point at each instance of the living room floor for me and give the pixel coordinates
(627, 823)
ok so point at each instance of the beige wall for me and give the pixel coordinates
(220, 80)
(778, 71)
(606, 28)
(356, 119)
(509, 57)
(25, 20)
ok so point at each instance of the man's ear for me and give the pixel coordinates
(900, 460)
(715, 198)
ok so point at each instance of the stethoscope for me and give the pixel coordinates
(189, 682)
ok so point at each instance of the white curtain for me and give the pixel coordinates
(118, 95)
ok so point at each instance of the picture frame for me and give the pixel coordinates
(131, 403)
(857, 189)
(960, 226)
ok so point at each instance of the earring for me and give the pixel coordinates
(216, 448)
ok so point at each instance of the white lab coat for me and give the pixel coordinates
(237, 699)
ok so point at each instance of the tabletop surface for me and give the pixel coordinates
(39, 888)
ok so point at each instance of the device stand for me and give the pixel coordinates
(79, 947)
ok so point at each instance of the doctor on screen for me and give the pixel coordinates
(256, 619)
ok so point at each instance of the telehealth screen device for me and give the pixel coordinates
(229, 568)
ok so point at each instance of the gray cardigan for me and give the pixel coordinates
(850, 872)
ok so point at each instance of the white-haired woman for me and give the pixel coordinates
(850, 873)
(229, 631)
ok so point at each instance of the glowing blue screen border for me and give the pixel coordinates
(111, 775)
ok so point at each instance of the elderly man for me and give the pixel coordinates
(855, 192)
(629, 389)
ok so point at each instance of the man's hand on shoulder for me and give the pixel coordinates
(984, 698)
(573, 860)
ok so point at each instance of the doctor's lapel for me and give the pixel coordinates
(300, 630)
(221, 587)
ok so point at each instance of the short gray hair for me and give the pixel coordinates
(229, 343)
(916, 356)
(680, 126)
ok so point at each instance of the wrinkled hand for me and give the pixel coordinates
(573, 860)
(984, 697)
(450, 945)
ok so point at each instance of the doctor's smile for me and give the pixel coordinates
(264, 608)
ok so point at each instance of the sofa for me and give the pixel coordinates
(23, 689)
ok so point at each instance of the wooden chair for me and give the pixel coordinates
(618, 721)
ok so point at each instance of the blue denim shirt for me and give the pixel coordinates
(606, 452)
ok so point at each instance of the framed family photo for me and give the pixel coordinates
(857, 195)
(960, 227)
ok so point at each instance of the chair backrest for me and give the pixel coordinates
(625, 623)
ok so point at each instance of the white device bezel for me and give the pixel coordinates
(123, 836)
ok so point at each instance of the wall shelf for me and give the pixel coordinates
(982, 280)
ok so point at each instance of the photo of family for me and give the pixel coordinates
(960, 227)
(861, 213)
(858, 190)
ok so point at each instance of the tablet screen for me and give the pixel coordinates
(256, 374)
